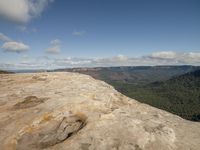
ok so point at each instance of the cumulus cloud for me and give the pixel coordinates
(55, 42)
(78, 33)
(170, 57)
(55, 47)
(72, 62)
(13, 46)
(22, 11)
(4, 38)
(53, 50)
(189, 58)
(164, 55)
(120, 58)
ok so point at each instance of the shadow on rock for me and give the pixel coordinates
(29, 101)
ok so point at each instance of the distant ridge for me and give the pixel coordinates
(5, 72)
(134, 74)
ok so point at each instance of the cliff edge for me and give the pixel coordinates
(71, 111)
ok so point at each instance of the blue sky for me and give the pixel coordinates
(74, 33)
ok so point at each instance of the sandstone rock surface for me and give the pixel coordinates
(70, 111)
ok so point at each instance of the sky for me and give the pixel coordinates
(50, 34)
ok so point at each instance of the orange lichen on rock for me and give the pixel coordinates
(46, 117)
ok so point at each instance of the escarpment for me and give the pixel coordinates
(70, 111)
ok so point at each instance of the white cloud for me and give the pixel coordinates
(55, 47)
(4, 38)
(165, 58)
(194, 56)
(55, 42)
(13, 46)
(190, 57)
(53, 50)
(78, 33)
(52, 62)
(164, 55)
(22, 11)
(120, 58)
(170, 57)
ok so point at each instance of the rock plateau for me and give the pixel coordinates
(71, 111)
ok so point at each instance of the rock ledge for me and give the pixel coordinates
(74, 111)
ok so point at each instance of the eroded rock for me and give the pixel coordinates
(52, 133)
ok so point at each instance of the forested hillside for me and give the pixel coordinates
(179, 95)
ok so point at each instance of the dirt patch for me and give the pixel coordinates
(29, 101)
